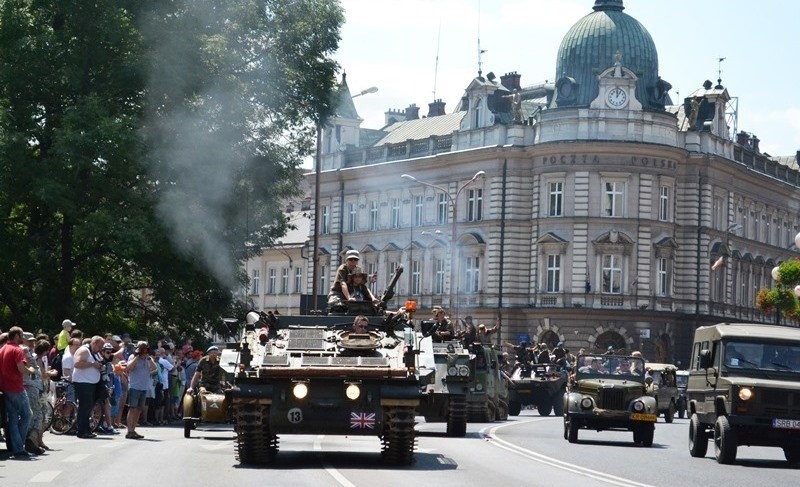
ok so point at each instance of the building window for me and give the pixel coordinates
(272, 282)
(418, 210)
(395, 213)
(372, 274)
(612, 274)
(613, 201)
(326, 220)
(416, 277)
(477, 108)
(441, 209)
(474, 205)
(352, 216)
(323, 280)
(556, 198)
(720, 212)
(662, 277)
(285, 280)
(472, 275)
(663, 204)
(438, 278)
(553, 273)
(298, 280)
(254, 280)
(373, 215)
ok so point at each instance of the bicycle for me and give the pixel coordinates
(65, 413)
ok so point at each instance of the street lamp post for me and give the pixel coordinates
(453, 200)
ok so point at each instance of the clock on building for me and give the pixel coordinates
(616, 97)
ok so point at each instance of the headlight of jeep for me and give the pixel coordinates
(352, 392)
(478, 387)
(638, 406)
(452, 370)
(300, 390)
(463, 371)
(745, 393)
(586, 403)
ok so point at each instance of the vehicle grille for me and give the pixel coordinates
(311, 339)
(612, 399)
(780, 403)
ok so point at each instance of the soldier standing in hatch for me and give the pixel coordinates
(443, 329)
(340, 292)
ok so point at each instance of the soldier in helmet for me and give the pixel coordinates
(357, 285)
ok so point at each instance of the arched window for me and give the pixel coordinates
(610, 339)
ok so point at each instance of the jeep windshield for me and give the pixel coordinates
(762, 355)
(610, 367)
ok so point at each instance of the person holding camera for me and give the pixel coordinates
(140, 367)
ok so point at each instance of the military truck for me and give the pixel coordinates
(744, 389)
(316, 375)
(665, 388)
(600, 398)
(540, 385)
(487, 397)
(444, 374)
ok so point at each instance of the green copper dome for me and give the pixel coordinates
(589, 48)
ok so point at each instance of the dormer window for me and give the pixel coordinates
(477, 110)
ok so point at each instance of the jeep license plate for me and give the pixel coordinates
(643, 417)
(793, 424)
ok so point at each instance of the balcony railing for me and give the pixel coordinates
(401, 150)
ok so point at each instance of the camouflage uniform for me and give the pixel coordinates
(211, 375)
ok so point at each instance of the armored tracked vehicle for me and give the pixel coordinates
(316, 375)
(540, 385)
(444, 375)
(487, 398)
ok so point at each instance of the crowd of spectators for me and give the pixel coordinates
(134, 384)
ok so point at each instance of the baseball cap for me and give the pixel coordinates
(26, 335)
(108, 346)
(353, 254)
(116, 338)
(67, 323)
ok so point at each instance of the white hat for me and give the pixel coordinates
(353, 254)
(67, 323)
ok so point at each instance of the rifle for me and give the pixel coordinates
(389, 292)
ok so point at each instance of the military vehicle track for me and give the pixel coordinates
(398, 438)
(254, 443)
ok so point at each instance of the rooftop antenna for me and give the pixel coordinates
(436, 65)
(480, 51)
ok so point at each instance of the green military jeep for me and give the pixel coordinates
(665, 389)
(610, 392)
(744, 389)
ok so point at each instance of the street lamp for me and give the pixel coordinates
(371, 89)
(453, 200)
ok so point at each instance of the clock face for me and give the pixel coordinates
(616, 97)
(565, 89)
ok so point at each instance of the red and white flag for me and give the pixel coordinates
(719, 263)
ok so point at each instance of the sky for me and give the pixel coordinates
(413, 50)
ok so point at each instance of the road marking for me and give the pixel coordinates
(332, 471)
(78, 457)
(45, 476)
(553, 462)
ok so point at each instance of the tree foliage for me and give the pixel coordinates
(144, 149)
(782, 296)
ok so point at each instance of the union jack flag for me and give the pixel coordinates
(362, 420)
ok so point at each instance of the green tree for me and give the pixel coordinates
(142, 144)
(781, 298)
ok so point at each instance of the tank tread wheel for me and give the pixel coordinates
(457, 416)
(255, 445)
(399, 437)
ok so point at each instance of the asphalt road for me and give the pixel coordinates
(525, 451)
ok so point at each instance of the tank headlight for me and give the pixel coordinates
(300, 390)
(638, 406)
(452, 370)
(745, 393)
(463, 371)
(586, 403)
(352, 392)
(478, 387)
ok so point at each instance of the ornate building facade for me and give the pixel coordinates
(588, 211)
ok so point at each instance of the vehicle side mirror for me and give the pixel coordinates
(705, 359)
